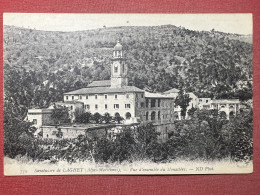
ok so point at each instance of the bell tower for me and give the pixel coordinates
(118, 67)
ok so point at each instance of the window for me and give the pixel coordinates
(116, 106)
(86, 97)
(116, 97)
(96, 106)
(127, 96)
(147, 103)
(159, 102)
(127, 105)
(142, 104)
(147, 116)
(105, 96)
(207, 101)
(67, 97)
(128, 115)
(88, 106)
(72, 97)
(116, 69)
(142, 95)
(80, 97)
(153, 116)
(231, 114)
(153, 103)
(159, 115)
(105, 106)
(34, 121)
(95, 96)
(123, 67)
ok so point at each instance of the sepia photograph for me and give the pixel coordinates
(127, 94)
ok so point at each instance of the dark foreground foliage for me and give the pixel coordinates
(206, 136)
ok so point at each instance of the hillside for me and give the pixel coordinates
(41, 65)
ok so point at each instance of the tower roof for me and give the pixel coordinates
(118, 46)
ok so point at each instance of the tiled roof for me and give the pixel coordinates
(104, 83)
(103, 90)
(173, 90)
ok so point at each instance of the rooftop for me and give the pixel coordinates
(69, 102)
(103, 90)
(43, 110)
(104, 83)
(83, 126)
(173, 90)
(156, 95)
(118, 46)
(226, 101)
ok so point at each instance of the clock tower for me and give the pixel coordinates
(118, 67)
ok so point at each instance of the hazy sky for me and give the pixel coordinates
(231, 23)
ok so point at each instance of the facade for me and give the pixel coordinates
(115, 97)
(227, 108)
(73, 107)
(135, 105)
(40, 117)
(204, 103)
(69, 132)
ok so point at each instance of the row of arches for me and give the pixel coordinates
(154, 116)
(127, 115)
(225, 115)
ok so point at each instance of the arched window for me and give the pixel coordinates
(176, 115)
(116, 69)
(117, 114)
(223, 115)
(231, 114)
(147, 116)
(159, 115)
(153, 115)
(128, 115)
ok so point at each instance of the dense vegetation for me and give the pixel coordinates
(205, 137)
(39, 66)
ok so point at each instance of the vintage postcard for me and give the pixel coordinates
(124, 94)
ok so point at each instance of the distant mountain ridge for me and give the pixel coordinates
(208, 63)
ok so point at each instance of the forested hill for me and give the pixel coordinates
(41, 65)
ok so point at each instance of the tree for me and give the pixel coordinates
(240, 136)
(118, 118)
(97, 117)
(107, 118)
(191, 111)
(59, 133)
(60, 114)
(86, 117)
(182, 100)
(79, 113)
(15, 128)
